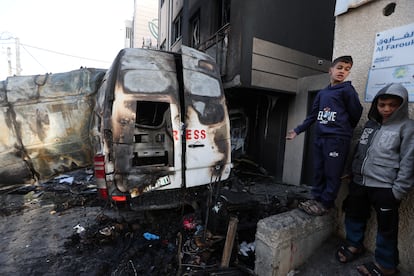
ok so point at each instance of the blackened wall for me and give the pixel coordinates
(306, 26)
(267, 117)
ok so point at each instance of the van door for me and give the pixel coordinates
(206, 122)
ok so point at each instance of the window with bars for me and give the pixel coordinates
(195, 31)
(177, 28)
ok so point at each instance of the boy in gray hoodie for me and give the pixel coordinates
(382, 174)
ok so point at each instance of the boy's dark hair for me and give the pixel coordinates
(346, 59)
(390, 96)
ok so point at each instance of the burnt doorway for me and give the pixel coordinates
(266, 121)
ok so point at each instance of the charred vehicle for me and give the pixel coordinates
(161, 124)
(45, 124)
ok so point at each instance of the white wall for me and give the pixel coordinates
(145, 16)
(355, 35)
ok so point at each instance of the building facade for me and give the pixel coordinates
(383, 52)
(145, 25)
(263, 48)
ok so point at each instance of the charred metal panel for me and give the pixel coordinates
(140, 106)
(13, 168)
(208, 154)
(46, 124)
(146, 75)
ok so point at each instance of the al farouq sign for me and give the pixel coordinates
(392, 61)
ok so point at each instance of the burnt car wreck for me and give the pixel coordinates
(153, 121)
(45, 124)
(161, 124)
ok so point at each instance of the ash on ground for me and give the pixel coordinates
(62, 227)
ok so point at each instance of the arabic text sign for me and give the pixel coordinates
(394, 47)
(392, 61)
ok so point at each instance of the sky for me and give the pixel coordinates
(61, 35)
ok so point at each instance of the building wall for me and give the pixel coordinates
(266, 27)
(276, 67)
(129, 34)
(169, 11)
(355, 35)
(145, 24)
(298, 44)
(352, 37)
(295, 149)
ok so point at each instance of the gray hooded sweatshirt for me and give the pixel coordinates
(384, 157)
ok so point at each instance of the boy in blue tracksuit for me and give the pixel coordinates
(382, 174)
(336, 111)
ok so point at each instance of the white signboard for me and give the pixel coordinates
(392, 61)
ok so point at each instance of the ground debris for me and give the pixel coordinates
(123, 247)
(8, 208)
(76, 188)
(188, 240)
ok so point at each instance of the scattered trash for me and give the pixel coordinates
(107, 231)
(189, 223)
(79, 229)
(66, 179)
(89, 171)
(247, 249)
(292, 272)
(29, 196)
(149, 236)
(217, 207)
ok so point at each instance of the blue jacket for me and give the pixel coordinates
(384, 156)
(336, 109)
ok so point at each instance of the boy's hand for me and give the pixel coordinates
(291, 135)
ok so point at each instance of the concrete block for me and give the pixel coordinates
(287, 240)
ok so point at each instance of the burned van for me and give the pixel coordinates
(45, 125)
(161, 127)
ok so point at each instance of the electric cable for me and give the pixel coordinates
(33, 57)
(63, 54)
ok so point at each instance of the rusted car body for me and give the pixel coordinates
(45, 122)
(161, 124)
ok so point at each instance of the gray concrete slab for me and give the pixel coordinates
(285, 241)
